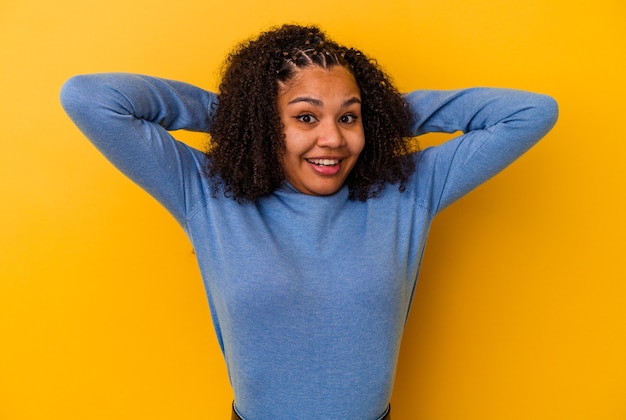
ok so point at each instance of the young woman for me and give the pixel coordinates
(308, 214)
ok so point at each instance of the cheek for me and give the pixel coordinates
(358, 144)
(295, 143)
(361, 145)
(292, 152)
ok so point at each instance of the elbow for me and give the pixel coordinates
(84, 94)
(547, 109)
(72, 93)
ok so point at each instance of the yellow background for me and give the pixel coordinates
(520, 312)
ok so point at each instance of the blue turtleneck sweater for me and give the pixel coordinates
(308, 295)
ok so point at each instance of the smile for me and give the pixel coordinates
(324, 162)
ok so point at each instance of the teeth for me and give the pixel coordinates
(324, 162)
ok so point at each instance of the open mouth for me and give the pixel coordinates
(323, 162)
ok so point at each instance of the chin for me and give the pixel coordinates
(321, 190)
(327, 191)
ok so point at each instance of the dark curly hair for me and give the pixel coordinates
(247, 134)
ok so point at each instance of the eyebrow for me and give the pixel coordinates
(317, 102)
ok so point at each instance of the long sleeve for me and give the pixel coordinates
(127, 117)
(499, 125)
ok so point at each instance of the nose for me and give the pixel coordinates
(330, 135)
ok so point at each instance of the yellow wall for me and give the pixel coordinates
(521, 307)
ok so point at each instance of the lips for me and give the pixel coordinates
(324, 162)
(325, 166)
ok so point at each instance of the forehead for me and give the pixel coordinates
(315, 81)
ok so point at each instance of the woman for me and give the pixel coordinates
(308, 214)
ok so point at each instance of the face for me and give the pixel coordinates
(320, 110)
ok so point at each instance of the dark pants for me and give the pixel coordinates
(387, 416)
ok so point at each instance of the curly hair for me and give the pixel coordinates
(247, 134)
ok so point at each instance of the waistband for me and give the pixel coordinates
(386, 416)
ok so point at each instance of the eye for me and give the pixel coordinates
(306, 118)
(348, 119)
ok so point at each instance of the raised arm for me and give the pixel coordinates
(127, 117)
(499, 125)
